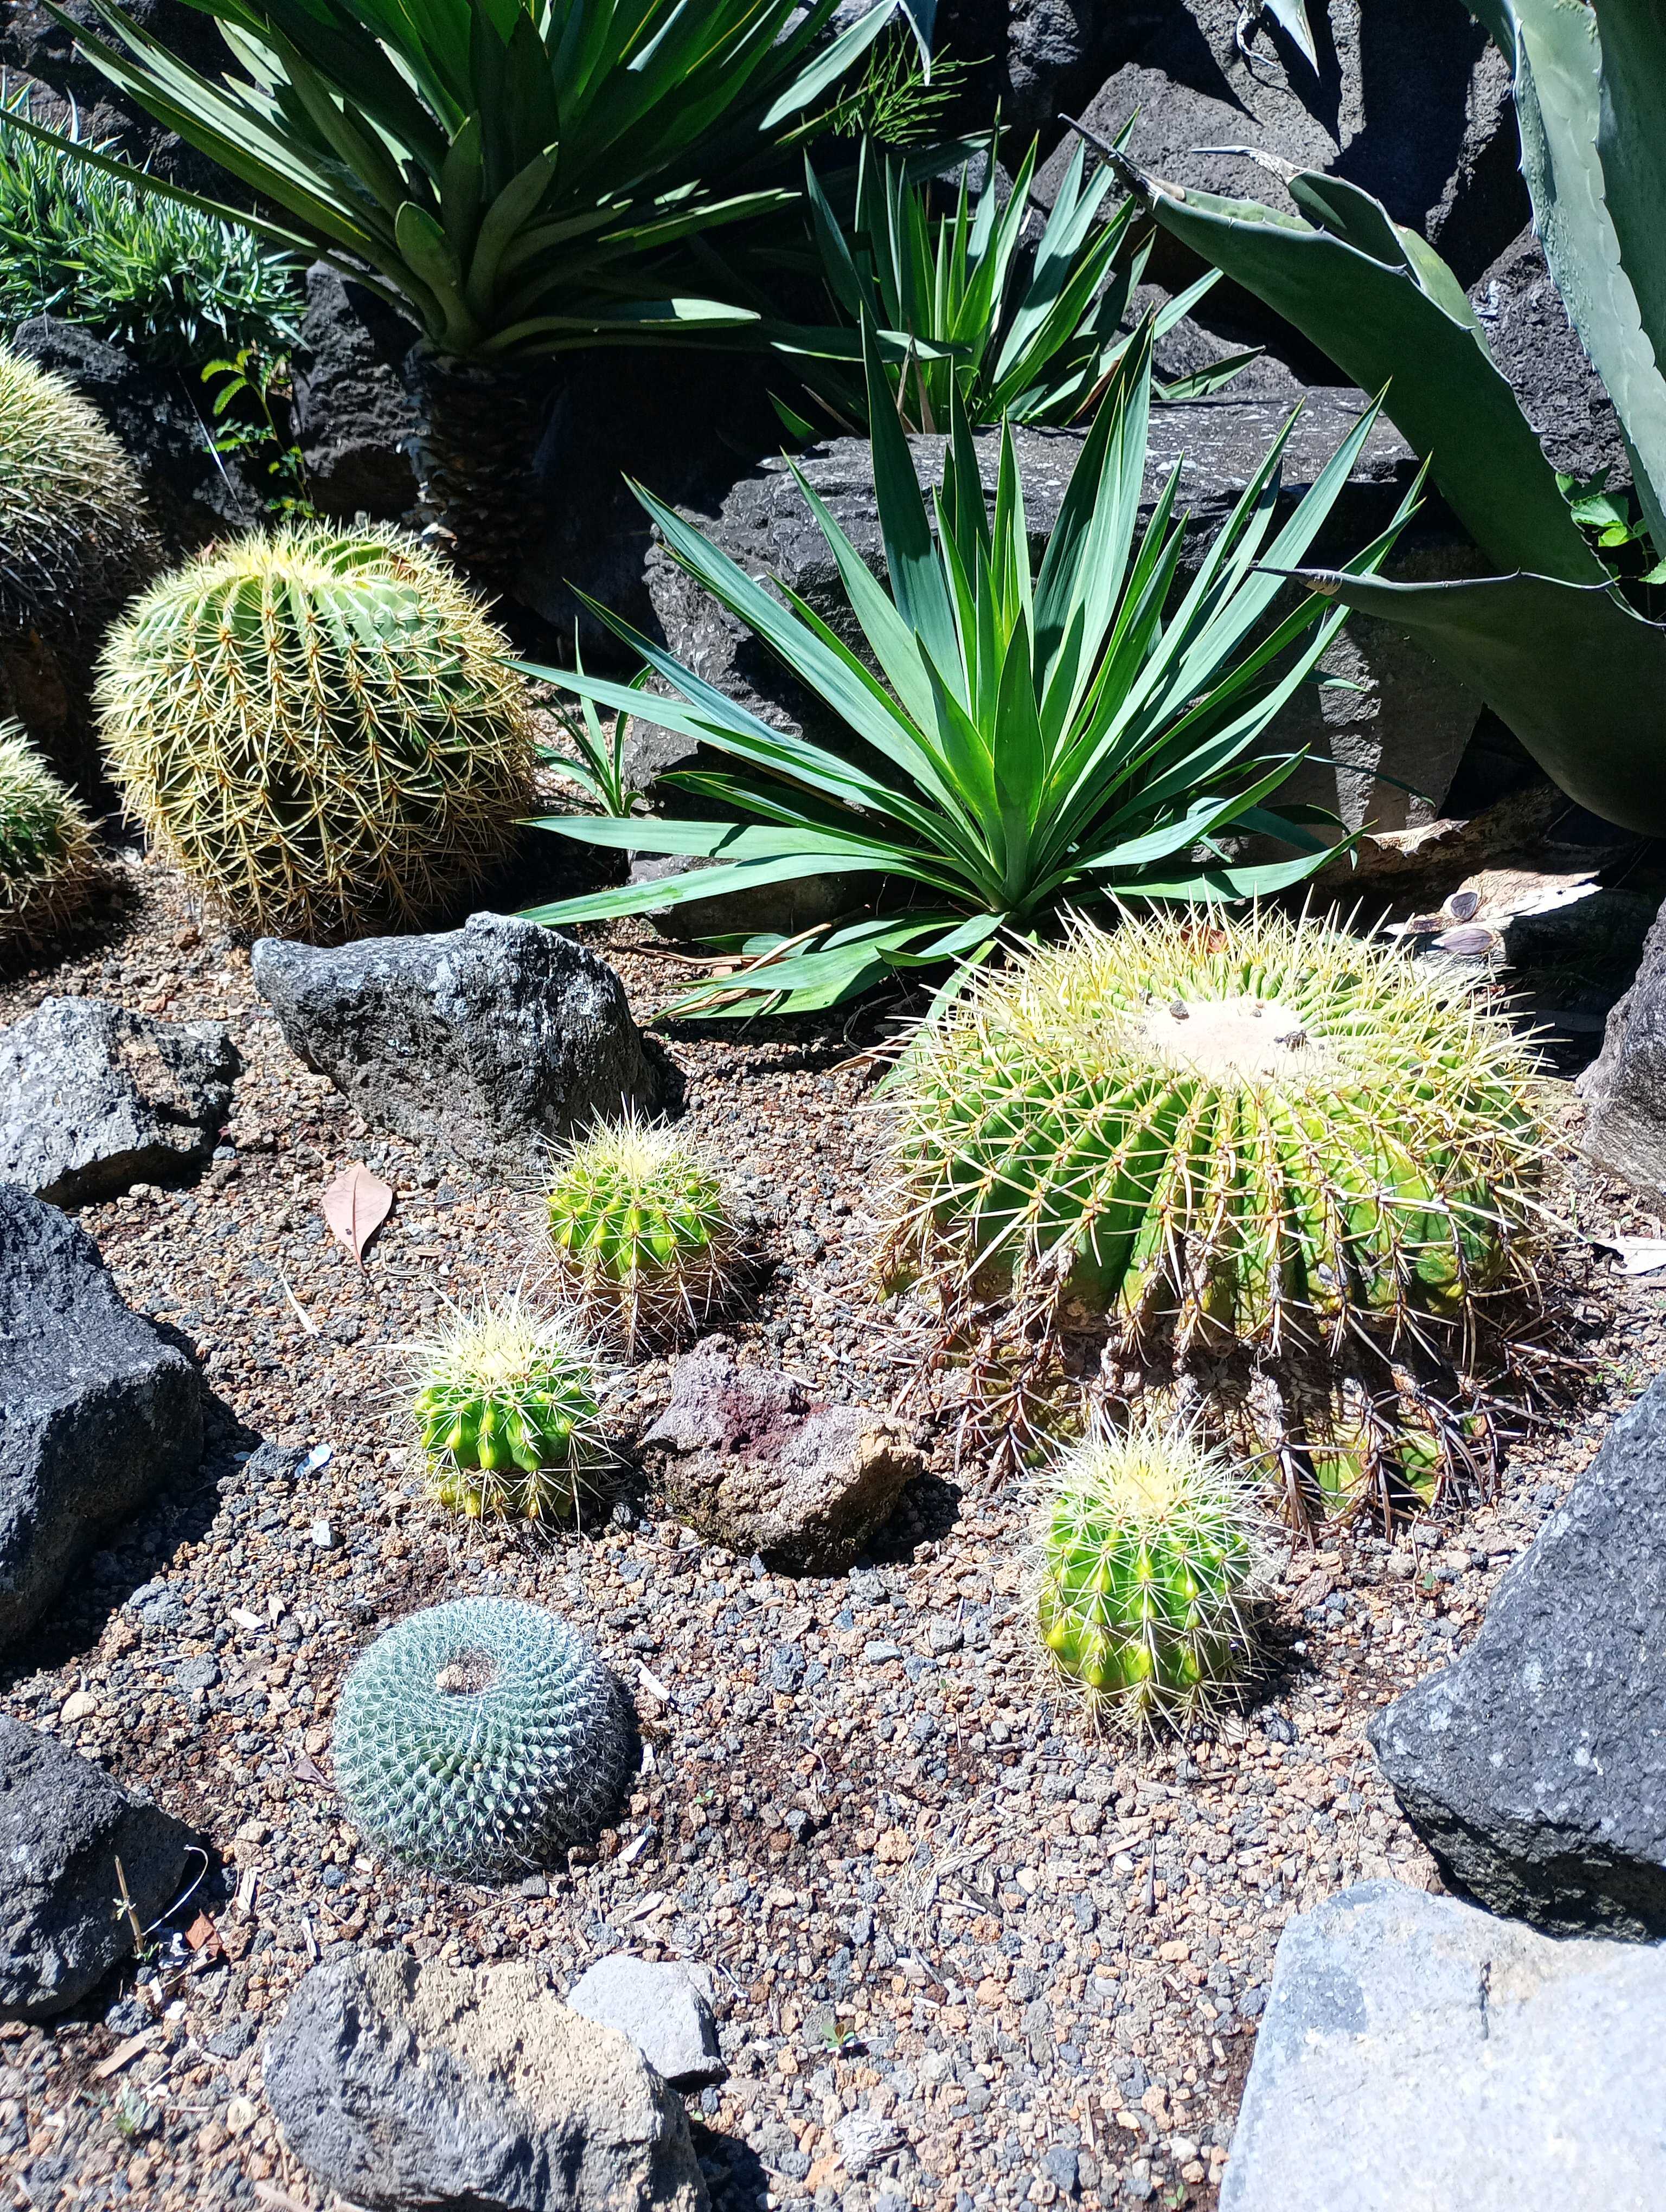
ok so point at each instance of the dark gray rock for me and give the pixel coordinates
(1417, 2053)
(1534, 1765)
(34, 43)
(1625, 1086)
(663, 2008)
(490, 1040)
(1406, 719)
(1533, 343)
(97, 1410)
(786, 908)
(748, 1458)
(405, 2085)
(1029, 58)
(355, 420)
(159, 416)
(64, 1824)
(94, 1099)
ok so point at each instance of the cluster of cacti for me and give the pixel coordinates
(1201, 1139)
(1148, 1568)
(321, 728)
(48, 861)
(73, 534)
(506, 1408)
(479, 1738)
(644, 1242)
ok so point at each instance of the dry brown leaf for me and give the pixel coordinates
(355, 1206)
(203, 1936)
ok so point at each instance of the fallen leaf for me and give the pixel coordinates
(305, 1770)
(123, 2051)
(355, 1206)
(1637, 1255)
(203, 1936)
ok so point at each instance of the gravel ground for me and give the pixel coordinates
(1033, 1961)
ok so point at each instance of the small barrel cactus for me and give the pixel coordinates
(72, 517)
(644, 1242)
(48, 861)
(506, 1409)
(1149, 1565)
(321, 728)
(1224, 1129)
(480, 1738)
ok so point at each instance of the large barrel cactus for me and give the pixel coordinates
(48, 861)
(1198, 1139)
(644, 1242)
(72, 517)
(1148, 1566)
(506, 1410)
(480, 1738)
(320, 727)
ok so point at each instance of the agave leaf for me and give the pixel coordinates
(1575, 674)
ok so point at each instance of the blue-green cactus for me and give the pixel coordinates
(480, 1738)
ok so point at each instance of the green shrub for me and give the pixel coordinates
(480, 1738)
(48, 861)
(1148, 1571)
(506, 1410)
(644, 1242)
(168, 281)
(320, 727)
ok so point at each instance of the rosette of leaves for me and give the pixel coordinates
(480, 1738)
(506, 1409)
(645, 1243)
(320, 727)
(1201, 1139)
(1148, 1566)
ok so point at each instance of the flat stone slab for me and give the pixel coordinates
(94, 1098)
(1419, 2055)
(662, 2008)
(1534, 1765)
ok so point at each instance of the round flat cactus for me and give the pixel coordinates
(1148, 1569)
(506, 1411)
(643, 1241)
(480, 1738)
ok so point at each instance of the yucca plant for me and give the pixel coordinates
(519, 176)
(1149, 1564)
(320, 727)
(1032, 739)
(1026, 334)
(48, 858)
(642, 1235)
(1201, 1140)
(507, 1413)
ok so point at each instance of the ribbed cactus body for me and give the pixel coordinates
(47, 856)
(321, 727)
(73, 532)
(643, 1240)
(1147, 1568)
(480, 1738)
(1224, 1129)
(506, 1411)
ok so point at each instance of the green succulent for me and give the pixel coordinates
(1202, 1140)
(480, 1738)
(320, 727)
(1149, 1565)
(73, 532)
(48, 858)
(644, 1242)
(506, 1411)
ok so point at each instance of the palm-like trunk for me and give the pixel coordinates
(478, 431)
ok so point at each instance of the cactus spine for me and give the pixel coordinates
(643, 1241)
(321, 728)
(480, 1738)
(507, 1412)
(48, 859)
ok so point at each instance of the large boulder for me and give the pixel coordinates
(63, 1826)
(746, 1456)
(97, 1410)
(489, 1040)
(94, 1098)
(40, 42)
(405, 2085)
(1417, 2054)
(665, 2009)
(1625, 1086)
(1529, 336)
(1403, 715)
(1534, 1766)
(355, 421)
